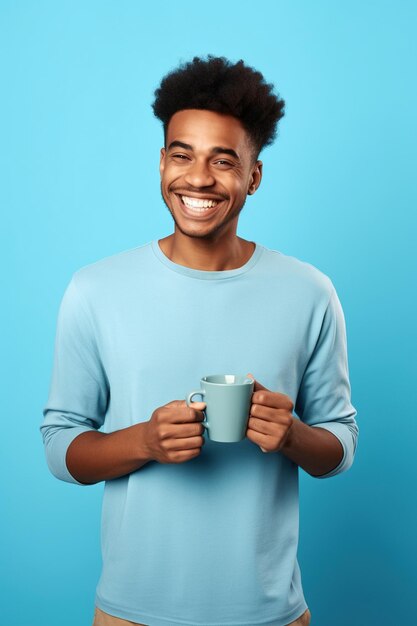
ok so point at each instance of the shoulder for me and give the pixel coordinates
(296, 275)
(113, 270)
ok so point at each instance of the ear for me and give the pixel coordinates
(255, 178)
(162, 161)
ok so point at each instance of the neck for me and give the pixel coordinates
(223, 253)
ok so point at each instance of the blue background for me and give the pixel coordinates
(79, 152)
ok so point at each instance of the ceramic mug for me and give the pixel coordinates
(228, 399)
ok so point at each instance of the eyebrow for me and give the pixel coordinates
(215, 150)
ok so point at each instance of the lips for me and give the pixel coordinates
(198, 208)
(198, 203)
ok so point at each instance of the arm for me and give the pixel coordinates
(274, 428)
(316, 450)
(94, 456)
(172, 435)
(323, 441)
(79, 390)
(75, 449)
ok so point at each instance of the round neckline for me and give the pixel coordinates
(206, 274)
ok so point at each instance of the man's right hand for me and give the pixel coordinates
(172, 435)
(174, 432)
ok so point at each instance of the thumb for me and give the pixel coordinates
(181, 404)
(257, 386)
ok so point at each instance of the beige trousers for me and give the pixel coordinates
(104, 619)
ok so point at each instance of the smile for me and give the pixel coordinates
(199, 204)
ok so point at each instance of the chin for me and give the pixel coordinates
(195, 234)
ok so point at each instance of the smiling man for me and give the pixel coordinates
(198, 533)
(207, 171)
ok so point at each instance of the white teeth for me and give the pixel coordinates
(199, 204)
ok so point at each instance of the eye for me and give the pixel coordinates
(223, 163)
(180, 157)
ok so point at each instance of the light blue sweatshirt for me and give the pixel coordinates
(212, 541)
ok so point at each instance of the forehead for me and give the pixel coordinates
(204, 130)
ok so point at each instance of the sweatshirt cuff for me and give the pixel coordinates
(56, 452)
(344, 435)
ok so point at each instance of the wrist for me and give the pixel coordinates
(291, 436)
(142, 450)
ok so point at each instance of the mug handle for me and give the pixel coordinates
(198, 392)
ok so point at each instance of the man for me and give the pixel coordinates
(196, 532)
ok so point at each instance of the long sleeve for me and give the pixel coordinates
(324, 398)
(79, 391)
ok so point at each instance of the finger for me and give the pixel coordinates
(263, 441)
(199, 406)
(264, 412)
(181, 404)
(263, 427)
(257, 386)
(187, 443)
(273, 399)
(187, 430)
(176, 403)
(197, 416)
(181, 456)
(181, 413)
(180, 431)
(277, 416)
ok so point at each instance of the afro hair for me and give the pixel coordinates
(215, 84)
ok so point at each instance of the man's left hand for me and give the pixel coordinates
(270, 418)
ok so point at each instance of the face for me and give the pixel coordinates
(207, 171)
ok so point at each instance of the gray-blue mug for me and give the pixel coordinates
(228, 400)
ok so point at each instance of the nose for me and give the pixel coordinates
(198, 174)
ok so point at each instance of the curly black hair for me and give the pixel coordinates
(215, 84)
